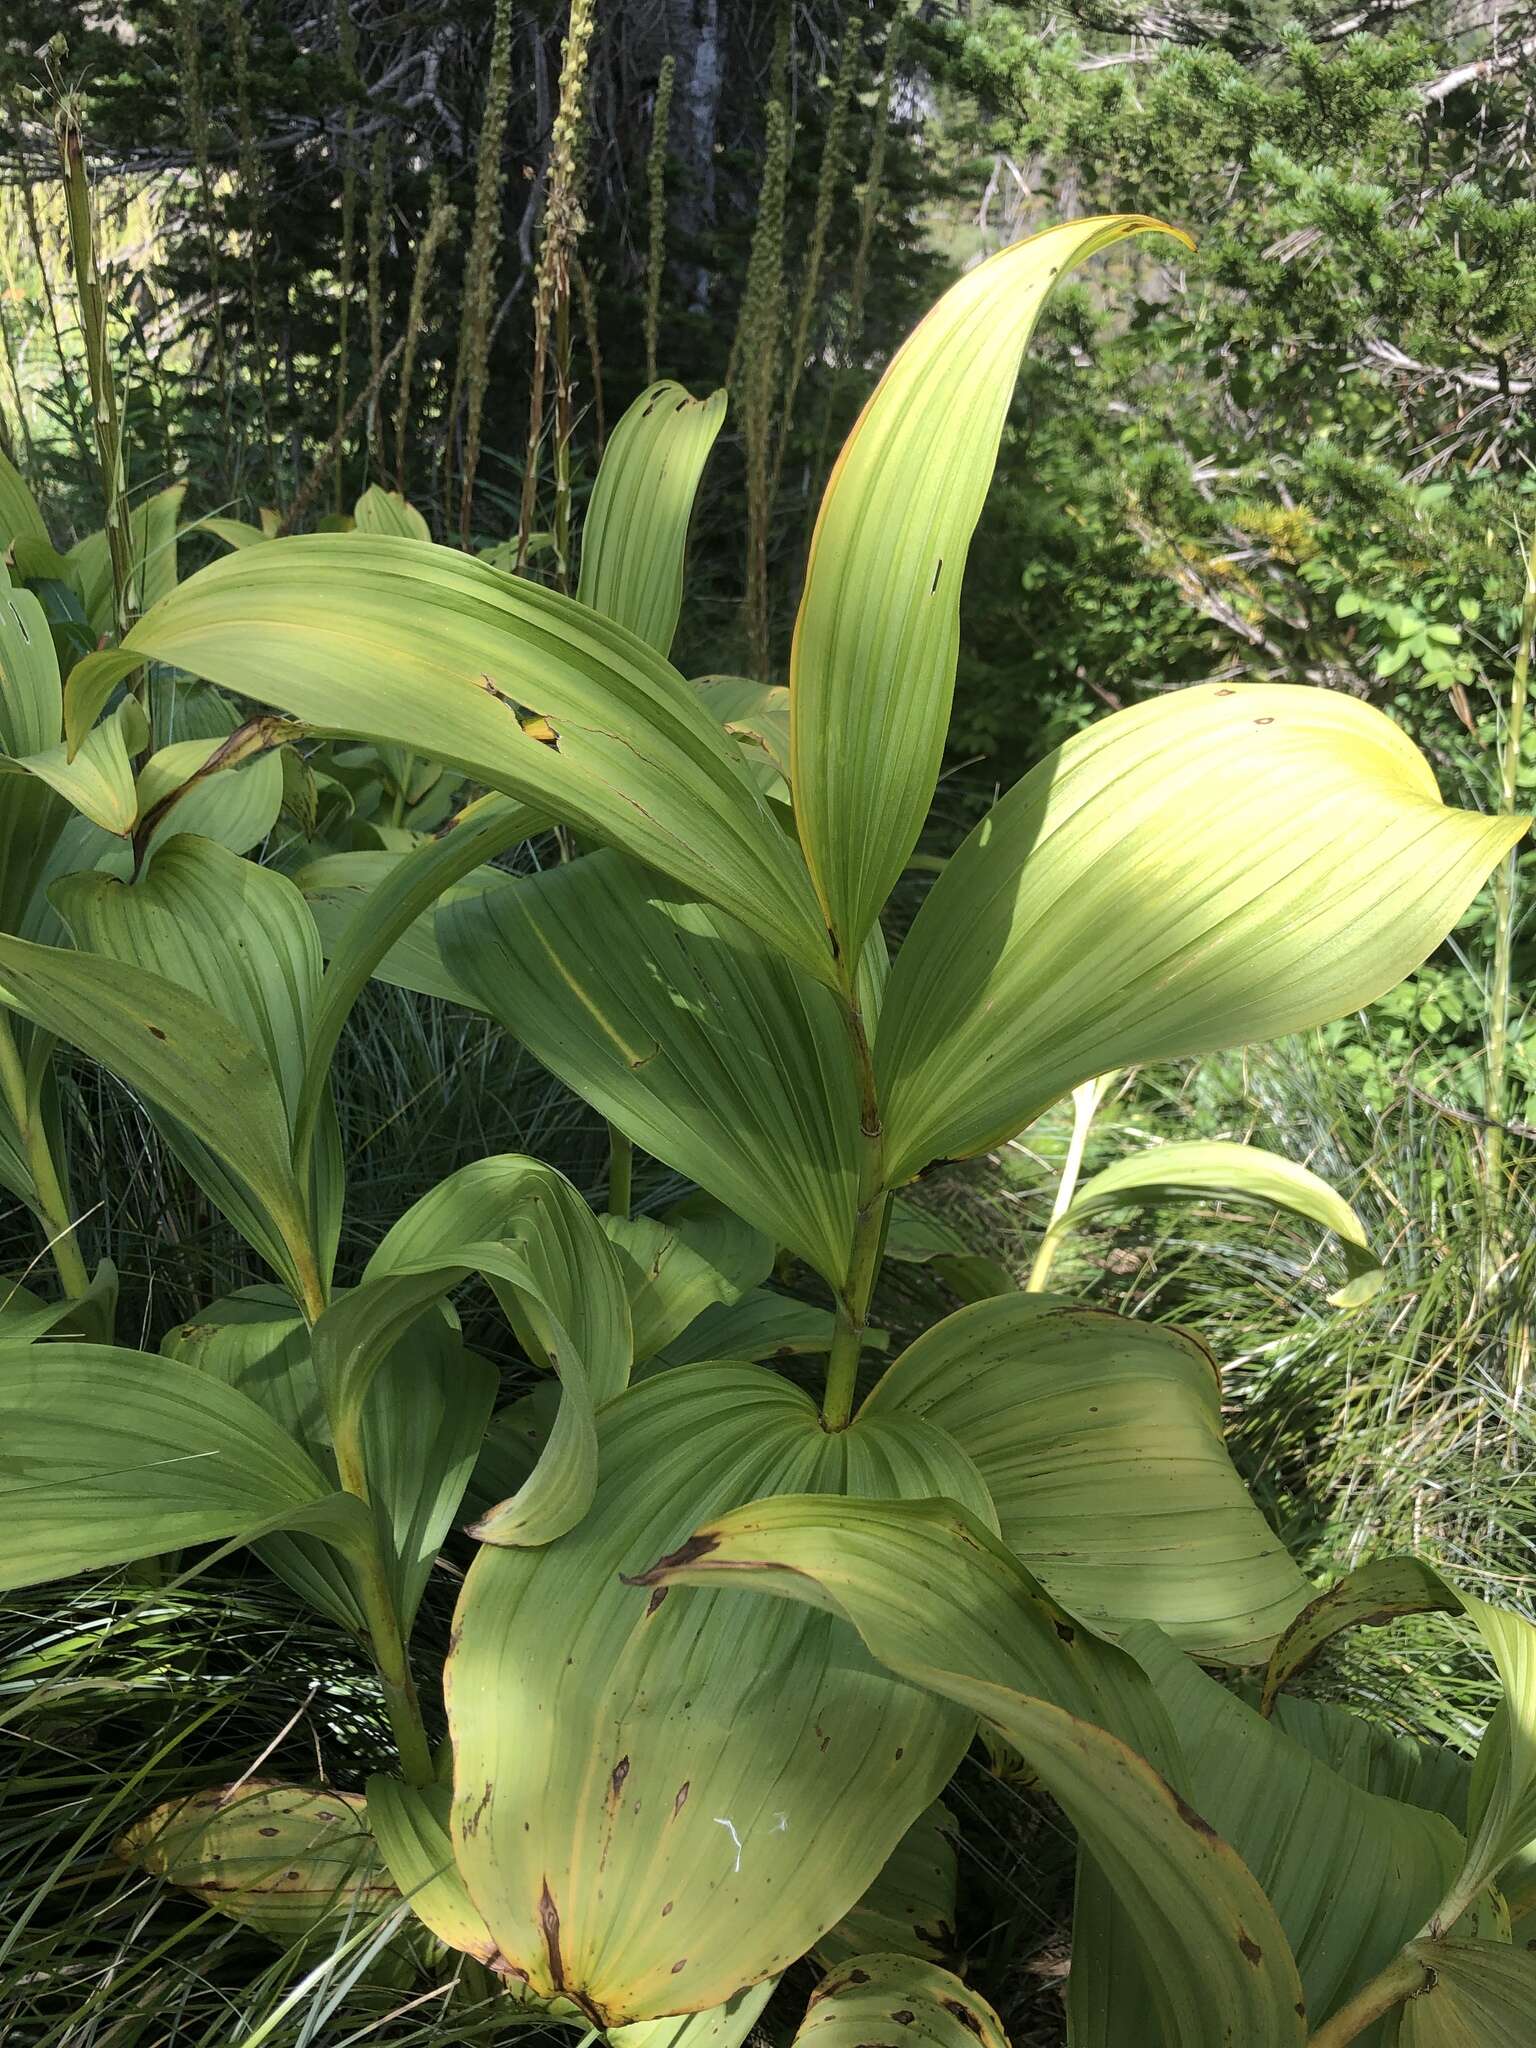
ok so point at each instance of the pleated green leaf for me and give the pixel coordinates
(656, 1801)
(1100, 1440)
(909, 1910)
(410, 1825)
(274, 1857)
(235, 533)
(257, 1341)
(1351, 1875)
(894, 2000)
(185, 1057)
(195, 794)
(152, 532)
(1371, 1595)
(98, 781)
(19, 512)
(762, 1324)
(385, 918)
(340, 886)
(522, 1226)
(635, 534)
(381, 511)
(31, 696)
(678, 1265)
(872, 671)
(1475, 1994)
(422, 1431)
(946, 1607)
(238, 940)
(721, 2026)
(757, 715)
(529, 693)
(1223, 864)
(1204, 1170)
(701, 1044)
(111, 1455)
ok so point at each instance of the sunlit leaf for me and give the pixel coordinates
(879, 2000)
(1222, 864)
(636, 528)
(1100, 1440)
(876, 643)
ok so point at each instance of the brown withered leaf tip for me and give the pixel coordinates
(675, 1560)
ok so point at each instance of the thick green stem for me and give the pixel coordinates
(853, 1313)
(1402, 1978)
(1495, 1095)
(371, 1580)
(53, 1208)
(621, 1172)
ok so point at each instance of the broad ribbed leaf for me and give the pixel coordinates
(340, 886)
(909, 1910)
(636, 530)
(882, 2000)
(701, 1044)
(1206, 1170)
(1100, 1441)
(98, 782)
(194, 792)
(1475, 1994)
(18, 508)
(656, 1801)
(386, 917)
(257, 1341)
(184, 1056)
(274, 1857)
(381, 511)
(526, 1229)
(31, 696)
(111, 1455)
(1369, 1596)
(526, 691)
(1219, 865)
(152, 529)
(410, 1825)
(238, 939)
(1351, 1875)
(721, 2026)
(872, 671)
(422, 1431)
(235, 533)
(761, 1325)
(757, 715)
(946, 1607)
(675, 1266)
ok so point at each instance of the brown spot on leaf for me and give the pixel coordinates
(682, 1797)
(858, 1976)
(963, 2014)
(1250, 1948)
(666, 1909)
(680, 1964)
(1194, 1820)
(549, 1927)
(155, 1032)
(266, 1831)
(903, 2017)
(616, 1782)
(1068, 1635)
(656, 1599)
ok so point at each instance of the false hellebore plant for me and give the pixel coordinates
(722, 1645)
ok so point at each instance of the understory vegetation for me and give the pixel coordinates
(766, 1084)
